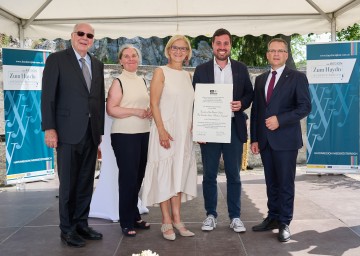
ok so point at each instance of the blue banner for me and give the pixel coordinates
(27, 156)
(333, 124)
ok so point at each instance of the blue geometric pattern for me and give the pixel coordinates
(333, 124)
(22, 122)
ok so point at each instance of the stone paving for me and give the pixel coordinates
(326, 222)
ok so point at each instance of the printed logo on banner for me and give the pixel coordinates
(22, 78)
(329, 71)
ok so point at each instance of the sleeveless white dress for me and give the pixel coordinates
(173, 170)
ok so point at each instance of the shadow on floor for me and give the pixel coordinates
(326, 222)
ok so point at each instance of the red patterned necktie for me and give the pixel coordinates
(271, 86)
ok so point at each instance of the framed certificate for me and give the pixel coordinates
(212, 113)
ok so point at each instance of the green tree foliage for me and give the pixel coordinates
(252, 50)
(298, 48)
(351, 33)
(249, 49)
(4, 40)
(194, 41)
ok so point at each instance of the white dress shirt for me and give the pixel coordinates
(278, 74)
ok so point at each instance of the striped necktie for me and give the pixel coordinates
(86, 73)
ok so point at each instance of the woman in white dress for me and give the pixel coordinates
(171, 173)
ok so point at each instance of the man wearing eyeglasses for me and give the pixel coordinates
(72, 107)
(223, 70)
(281, 100)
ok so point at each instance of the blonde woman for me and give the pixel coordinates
(171, 173)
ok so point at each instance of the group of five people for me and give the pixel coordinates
(160, 154)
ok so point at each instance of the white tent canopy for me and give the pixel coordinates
(129, 18)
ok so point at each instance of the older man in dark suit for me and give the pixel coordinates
(72, 107)
(223, 70)
(281, 100)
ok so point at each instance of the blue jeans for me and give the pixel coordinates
(232, 153)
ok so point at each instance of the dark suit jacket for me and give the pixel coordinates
(290, 102)
(242, 89)
(66, 102)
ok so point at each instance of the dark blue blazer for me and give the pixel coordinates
(290, 102)
(242, 89)
(66, 102)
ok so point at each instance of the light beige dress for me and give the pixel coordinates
(173, 170)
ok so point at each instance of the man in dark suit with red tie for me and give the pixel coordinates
(72, 108)
(281, 100)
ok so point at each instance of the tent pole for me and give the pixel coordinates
(333, 29)
(21, 35)
(317, 8)
(29, 21)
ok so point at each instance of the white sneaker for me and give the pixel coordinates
(209, 223)
(237, 225)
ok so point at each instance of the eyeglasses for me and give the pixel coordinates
(81, 34)
(277, 51)
(176, 48)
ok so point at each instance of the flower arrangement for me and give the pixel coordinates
(146, 253)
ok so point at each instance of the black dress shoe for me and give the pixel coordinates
(72, 239)
(89, 233)
(284, 233)
(267, 224)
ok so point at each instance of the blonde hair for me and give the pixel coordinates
(172, 41)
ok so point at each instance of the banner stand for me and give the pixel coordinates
(27, 156)
(333, 138)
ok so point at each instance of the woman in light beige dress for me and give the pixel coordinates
(171, 173)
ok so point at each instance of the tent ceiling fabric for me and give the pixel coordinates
(129, 18)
